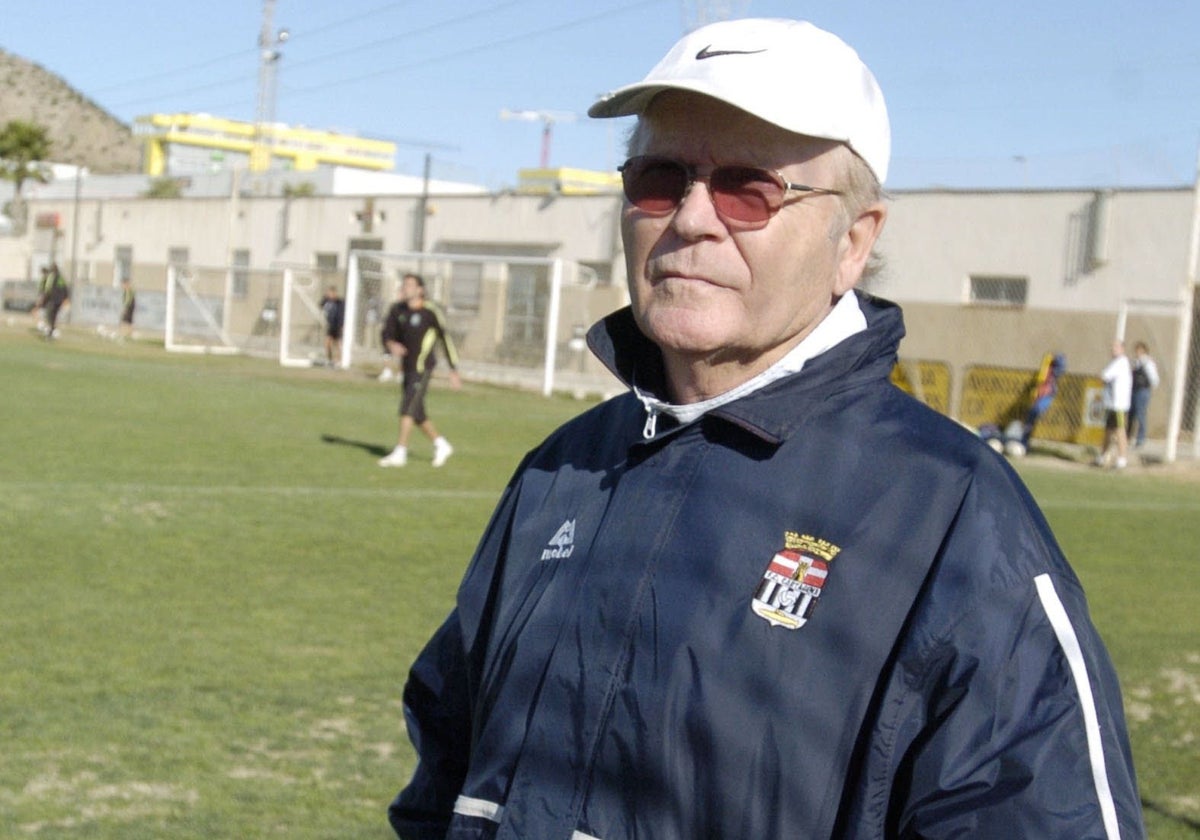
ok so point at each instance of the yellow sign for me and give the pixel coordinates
(997, 396)
(927, 381)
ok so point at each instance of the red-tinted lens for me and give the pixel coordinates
(654, 185)
(746, 194)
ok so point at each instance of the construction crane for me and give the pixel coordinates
(547, 119)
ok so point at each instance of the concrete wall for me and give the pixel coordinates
(934, 242)
(278, 230)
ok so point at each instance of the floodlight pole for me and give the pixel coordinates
(268, 40)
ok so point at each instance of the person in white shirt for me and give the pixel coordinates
(1118, 391)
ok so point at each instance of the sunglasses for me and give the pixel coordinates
(743, 196)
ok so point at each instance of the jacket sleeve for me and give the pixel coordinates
(444, 337)
(388, 333)
(437, 715)
(1012, 722)
(440, 693)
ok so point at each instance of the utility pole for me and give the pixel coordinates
(547, 119)
(423, 207)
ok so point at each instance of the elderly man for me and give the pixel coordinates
(765, 594)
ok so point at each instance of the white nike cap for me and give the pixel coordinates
(787, 72)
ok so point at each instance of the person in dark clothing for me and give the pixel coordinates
(128, 305)
(1145, 380)
(393, 316)
(412, 332)
(764, 593)
(333, 308)
(56, 295)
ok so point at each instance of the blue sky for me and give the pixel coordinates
(1057, 93)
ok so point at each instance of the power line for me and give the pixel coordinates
(249, 51)
(246, 53)
(354, 50)
(357, 49)
(245, 79)
(473, 49)
(234, 80)
(337, 24)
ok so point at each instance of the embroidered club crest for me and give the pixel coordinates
(789, 589)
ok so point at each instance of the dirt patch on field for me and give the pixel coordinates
(84, 800)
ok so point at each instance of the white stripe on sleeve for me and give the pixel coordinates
(470, 807)
(1061, 623)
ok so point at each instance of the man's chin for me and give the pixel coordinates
(684, 333)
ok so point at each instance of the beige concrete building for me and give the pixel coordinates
(996, 278)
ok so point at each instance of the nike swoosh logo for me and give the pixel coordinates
(709, 52)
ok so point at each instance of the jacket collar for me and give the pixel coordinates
(771, 410)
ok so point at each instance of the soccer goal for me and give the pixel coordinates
(197, 308)
(268, 313)
(515, 320)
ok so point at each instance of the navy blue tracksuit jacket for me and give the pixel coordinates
(821, 610)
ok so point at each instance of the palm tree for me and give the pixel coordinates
(23, 147)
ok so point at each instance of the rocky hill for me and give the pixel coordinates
(81, 132)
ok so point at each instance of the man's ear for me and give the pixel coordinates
(855, 245)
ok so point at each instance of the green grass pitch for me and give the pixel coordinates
(210, 593)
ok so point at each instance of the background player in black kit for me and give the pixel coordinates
(411, 333)
(334, 309)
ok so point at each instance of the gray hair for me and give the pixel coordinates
(860, 189)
